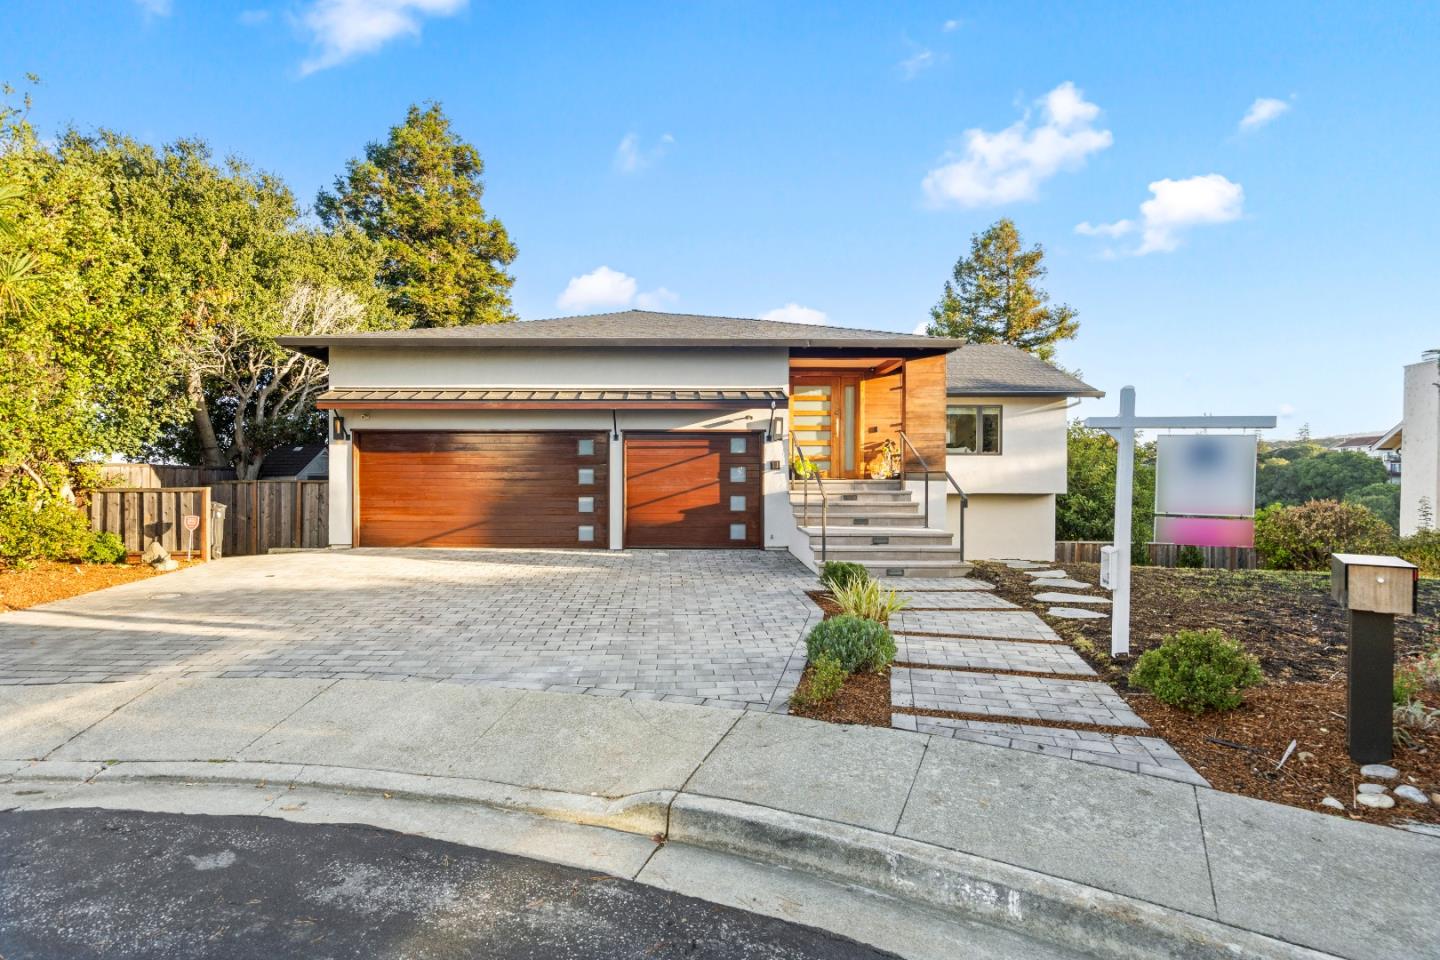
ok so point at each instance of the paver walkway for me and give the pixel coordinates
(720, 628)
(965, 651)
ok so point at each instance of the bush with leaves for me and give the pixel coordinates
(38, 521)
(1422, 548)
(1190, 557)
(1303, 537)
(824, 680)
(1197, 670)
(838, 574)
(856, 643)
(866, 598)
(106, 547)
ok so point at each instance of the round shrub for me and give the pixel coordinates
(1422, 548)
(839, 574)
(105, 548)
(857, 643)
(1303, 537)
(1197, 670)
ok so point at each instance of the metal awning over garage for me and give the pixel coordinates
(370, 398)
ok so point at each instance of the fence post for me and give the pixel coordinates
(204, 524)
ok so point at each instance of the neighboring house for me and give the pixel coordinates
(305, 461)
(1418, 438)
(1005, 428)
(1354, 443)
(644, 429)
(1387, 448)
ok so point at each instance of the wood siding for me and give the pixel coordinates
(678, 490)
(925, 411)
(122, 475)
(452, 489)
(882, 402)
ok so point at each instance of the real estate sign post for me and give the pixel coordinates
(1123, 428)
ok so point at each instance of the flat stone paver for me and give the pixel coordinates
(1147, 755)
(1046, 574)
(1060, 583)
(1071, 598)
(934, 584)
(959, 600)
(722, 628)
(1001, 625)
(973, 654)
(1002, 695)
(1076, 613)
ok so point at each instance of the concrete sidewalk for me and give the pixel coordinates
(1088, 857)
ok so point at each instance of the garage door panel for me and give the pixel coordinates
(481, 489)
(678, 490)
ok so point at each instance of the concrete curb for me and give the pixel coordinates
(1047, 908)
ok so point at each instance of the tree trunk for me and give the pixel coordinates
(210, 455)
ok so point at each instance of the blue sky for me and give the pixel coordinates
(743, 158)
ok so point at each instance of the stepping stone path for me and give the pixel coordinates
(1076, 613)
(970, 652)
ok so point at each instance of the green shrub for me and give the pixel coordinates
(1197, 670)
(866, 598)
(105, 548)
(37, 523)
(1406, 686)
(838, 574)
(1422, 548)
(825, 679)
(856, 643)
(1190, 557)
(1303, 537)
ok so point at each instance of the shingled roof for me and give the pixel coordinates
(998, 369)
(630, 328)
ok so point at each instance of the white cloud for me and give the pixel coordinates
(1174, 207)
(915, 64)
(656, 299)
(950, 26)
(794, 313)
(1261, 112)
(1287, 410)
(601, 287)
(342, 29)
(630, 157)
(156, 8)
(1010, 164)
(921, 328)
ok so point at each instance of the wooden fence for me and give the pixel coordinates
(1161, 554)
(259, 514)
(123, 475)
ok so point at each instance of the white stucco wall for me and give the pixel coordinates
(1007, 526)
(1420, 446)
(1032, 444)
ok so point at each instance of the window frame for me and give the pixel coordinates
(978, 409)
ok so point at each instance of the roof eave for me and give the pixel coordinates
(1088, 392)
(314, 346)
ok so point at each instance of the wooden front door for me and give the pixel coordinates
(450, 489)
(825, 421)
(693, 490)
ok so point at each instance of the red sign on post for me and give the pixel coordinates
(192, 522)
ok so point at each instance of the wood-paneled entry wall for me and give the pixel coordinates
(504, 489)
(693, 490)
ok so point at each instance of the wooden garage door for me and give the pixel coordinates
(692, 490)
(482, 489)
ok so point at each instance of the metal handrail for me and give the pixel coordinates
(824, 504)
(964, 498)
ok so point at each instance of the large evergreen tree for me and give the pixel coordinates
(993, 297)
(418, 194)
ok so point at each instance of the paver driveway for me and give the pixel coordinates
(722, 628)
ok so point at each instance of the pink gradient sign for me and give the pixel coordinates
(1205, 531)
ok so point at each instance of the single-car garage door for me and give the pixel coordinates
(692, 490)
(423, 489)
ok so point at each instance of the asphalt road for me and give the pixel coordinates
(80, 883)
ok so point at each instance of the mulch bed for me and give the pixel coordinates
(1298, 633)
(864, 698)
(47, 581)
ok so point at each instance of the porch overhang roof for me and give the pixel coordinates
(372, 398)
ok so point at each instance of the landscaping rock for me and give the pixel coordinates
(1332, 803)
(1059, 583)
(1075, 613)
(1413, 794)
(1046, 574)
(1379, 771)
(1070, 598)
(1380, 801)
(1021, 564)
(1372, 788)
(158, 557)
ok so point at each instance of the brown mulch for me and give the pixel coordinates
(1313, 714)
(47, 581)
(864, 698)
(1022, 721)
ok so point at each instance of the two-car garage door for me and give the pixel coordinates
(551, 489)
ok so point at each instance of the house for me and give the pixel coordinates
(301, 461)
(641, 429)
(1417, 438)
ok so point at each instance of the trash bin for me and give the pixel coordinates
(217, 529)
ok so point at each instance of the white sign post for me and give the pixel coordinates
(192, 523)
(1123, 428)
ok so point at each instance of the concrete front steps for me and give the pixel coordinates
(877, 523)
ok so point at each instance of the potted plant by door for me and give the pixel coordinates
(884, 465)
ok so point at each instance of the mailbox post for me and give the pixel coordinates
(1373, 591)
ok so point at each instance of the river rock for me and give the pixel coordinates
(1413, 794)
(1380, 801)
(1372, 788)
(1332, 803)
(1379, 771)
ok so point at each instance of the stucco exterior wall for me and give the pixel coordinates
(575, 369)
(1007, 526)
(1420, 447)
(1032, 445)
